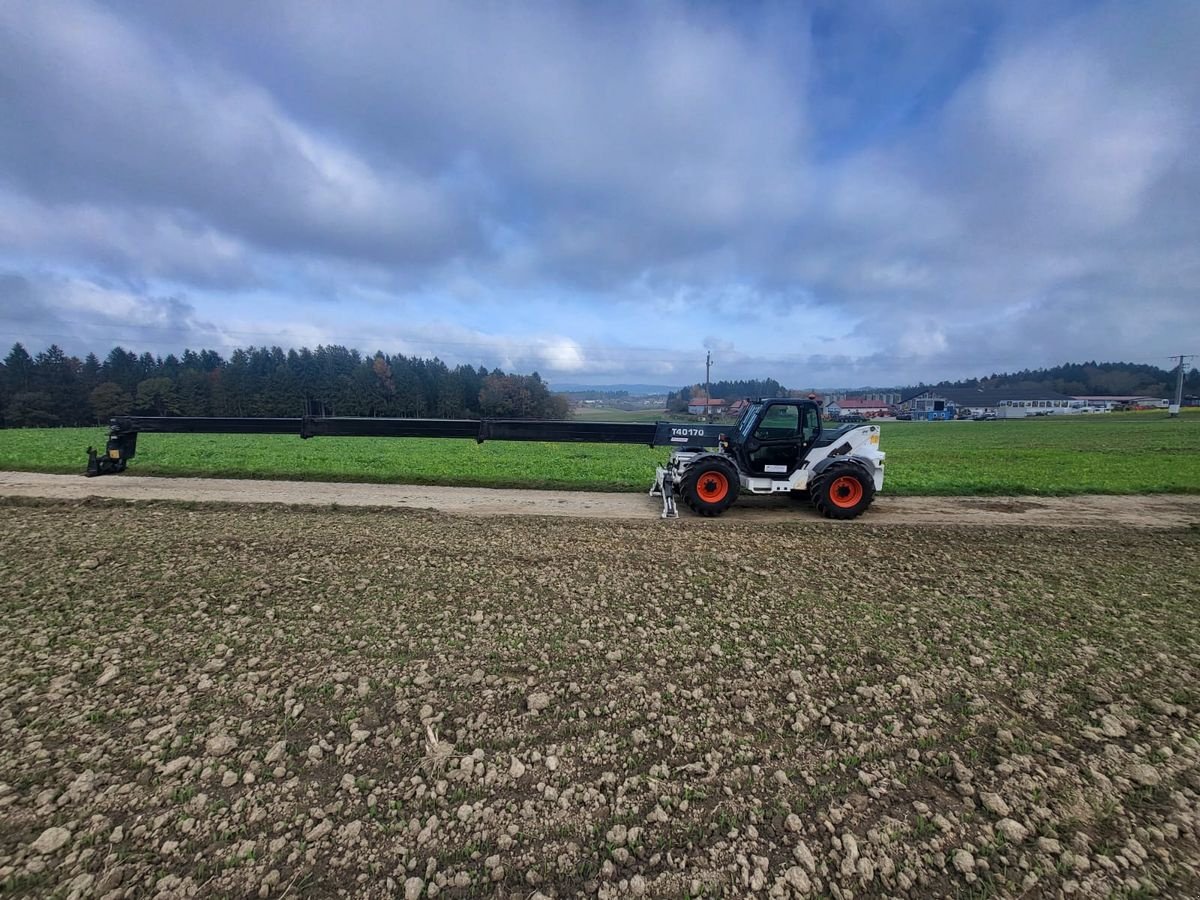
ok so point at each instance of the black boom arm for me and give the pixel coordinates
(123, 432)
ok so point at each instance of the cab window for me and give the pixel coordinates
(780, 423)
(812, 424)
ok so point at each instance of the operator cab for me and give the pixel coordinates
(772, 436)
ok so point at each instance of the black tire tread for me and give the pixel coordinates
(819, 494)
(688, 487)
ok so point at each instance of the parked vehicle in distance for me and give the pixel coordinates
(904, 417)
(983, 416)
(850, 417)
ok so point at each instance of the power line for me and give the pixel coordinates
(1183, 358)
(708, 384)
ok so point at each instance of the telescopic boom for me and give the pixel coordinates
(123, 432)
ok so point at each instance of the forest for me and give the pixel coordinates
(52, 388)
(1085, 379)
(677, 401)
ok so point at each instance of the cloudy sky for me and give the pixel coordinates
(829, 193)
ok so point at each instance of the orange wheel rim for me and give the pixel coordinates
(845, 491)
(712, 487)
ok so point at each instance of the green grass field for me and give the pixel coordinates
(1105, 454)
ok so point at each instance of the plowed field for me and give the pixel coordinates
(263, 701)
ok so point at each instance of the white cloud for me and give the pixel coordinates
(564, 355)
(151, 242)
(1091, 144)
(103, 116)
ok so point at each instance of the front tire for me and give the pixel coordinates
(842, 492)
(710, 487)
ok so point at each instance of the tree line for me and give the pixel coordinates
(1086, 379)
(52, 388)
(677, 401)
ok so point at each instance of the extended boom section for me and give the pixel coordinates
(123, 431)
(777, 446)
(481, 430)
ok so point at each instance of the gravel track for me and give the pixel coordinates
(314, 702)
(1164, 511)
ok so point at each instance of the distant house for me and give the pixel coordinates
(737, 407)
(857, 405)
(946, 403)
(698, 406)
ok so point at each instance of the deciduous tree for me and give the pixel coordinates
(157, 396)
(109, 399)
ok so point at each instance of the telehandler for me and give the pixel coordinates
(776, 446)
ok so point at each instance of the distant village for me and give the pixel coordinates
(928, 404)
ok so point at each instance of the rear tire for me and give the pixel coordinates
(842, 492)
(710, 486)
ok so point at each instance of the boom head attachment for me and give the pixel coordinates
(121, 447)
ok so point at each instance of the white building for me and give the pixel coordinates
(948, 403)
(1108, 403)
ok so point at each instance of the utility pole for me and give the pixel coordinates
(1182, 357)
(708, 384)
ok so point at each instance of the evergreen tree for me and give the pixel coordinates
(89, 374)
(194, 389)
(121, 367)
(57, 376)
(16, 376)
(18, 369)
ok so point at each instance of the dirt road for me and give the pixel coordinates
(1166, 511)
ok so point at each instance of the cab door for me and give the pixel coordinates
(776, 445)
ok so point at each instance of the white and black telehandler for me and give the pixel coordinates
(777, 446)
